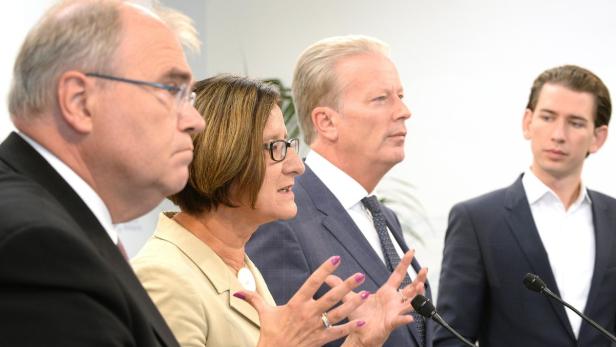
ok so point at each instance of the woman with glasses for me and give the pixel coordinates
(194, 267)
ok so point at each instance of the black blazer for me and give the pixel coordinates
(287, 252)
(491, 243)
(63, 282)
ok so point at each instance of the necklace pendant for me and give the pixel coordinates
(246, 279)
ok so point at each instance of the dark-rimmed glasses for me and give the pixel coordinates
(182, 93)
(278, 148)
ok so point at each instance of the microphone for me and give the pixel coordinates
(424, 307)
(536, 284)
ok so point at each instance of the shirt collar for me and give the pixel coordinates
(344, 187)
(536, 190)
(83, 190)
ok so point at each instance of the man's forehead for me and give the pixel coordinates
(371, 83)
(554, 97)
(367, 66)
(148, 45)
(177, 75)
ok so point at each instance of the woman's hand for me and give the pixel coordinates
(386, 309)
(302, 321)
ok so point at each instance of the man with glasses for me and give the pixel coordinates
(102, 103)
(349, 100)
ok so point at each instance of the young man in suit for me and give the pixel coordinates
(349, 100)
(102, 104)
(547, 223)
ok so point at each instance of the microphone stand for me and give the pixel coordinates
(437, 318)
(536, 284)
(424, 307)
(549, 294)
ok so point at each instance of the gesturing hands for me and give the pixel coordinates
(302, 321)
(386, 309)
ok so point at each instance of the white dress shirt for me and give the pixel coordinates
(83, 190)
(349, 193)
(568, 236)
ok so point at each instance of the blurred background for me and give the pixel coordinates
(467, 68)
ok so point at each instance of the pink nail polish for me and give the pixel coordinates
(359, 277)
(335, 259)
(364, 295)
(360, 323)
(239, 295)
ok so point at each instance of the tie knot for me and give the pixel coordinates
(372, 204)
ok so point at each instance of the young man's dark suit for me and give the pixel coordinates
(63, 281)
(491, 243)
(287, 252)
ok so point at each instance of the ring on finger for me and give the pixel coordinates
(325, 320)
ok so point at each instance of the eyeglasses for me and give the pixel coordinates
(278, 148)
(182, 93)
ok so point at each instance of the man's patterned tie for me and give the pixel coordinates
(391, 256)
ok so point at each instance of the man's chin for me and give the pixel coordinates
(176, 184)
(394, 157)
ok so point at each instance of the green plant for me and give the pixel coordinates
(287, 107)
(398, 194)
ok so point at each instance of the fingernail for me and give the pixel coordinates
(360, 323)
(239, 295)
(359, 277)
(365, 294)
(335, 259)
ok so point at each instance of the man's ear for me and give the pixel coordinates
(74, 88)
(325, 121)
(528, 116)
(600, 135)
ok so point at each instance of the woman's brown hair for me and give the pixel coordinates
(228, 154)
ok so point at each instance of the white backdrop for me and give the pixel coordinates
(467, 67)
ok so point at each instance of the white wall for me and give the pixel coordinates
(15, 21)
(467, 67)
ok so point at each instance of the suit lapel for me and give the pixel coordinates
(342, 227)
(522, 225)
(27, 161)
(604, 237)
(243, 307)
(210, 264)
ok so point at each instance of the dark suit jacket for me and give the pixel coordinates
(63, 282)
(491, 243)
(287, 252)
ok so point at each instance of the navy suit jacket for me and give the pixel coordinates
(63, 282)
(287, 252)
(490, 245)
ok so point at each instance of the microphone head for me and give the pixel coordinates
(423, 306)
(534, 283)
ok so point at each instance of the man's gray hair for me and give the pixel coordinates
(315, 82)
(75, 35)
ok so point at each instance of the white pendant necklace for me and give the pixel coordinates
(246, 279)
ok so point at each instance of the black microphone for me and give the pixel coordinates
(536, 284)
(424, 307)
